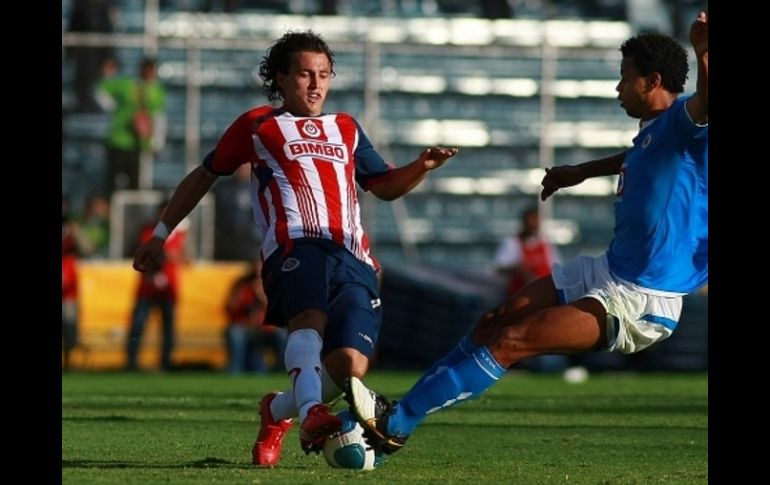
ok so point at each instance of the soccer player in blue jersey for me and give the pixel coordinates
(626, 299)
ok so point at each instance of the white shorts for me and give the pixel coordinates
(636, 317)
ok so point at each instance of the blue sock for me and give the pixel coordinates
(465, 380)
(460, 351)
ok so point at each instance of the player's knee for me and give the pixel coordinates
(487, 326)
(509, 345)
(511, 338)
(346, 362)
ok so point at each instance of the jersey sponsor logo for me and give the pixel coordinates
(311, 129)
(316, 149)
(376, 303)
(290, 264)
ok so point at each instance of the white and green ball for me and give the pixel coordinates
(347, 448)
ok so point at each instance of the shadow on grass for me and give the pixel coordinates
(208, 462)
(111, 418)
(565, 427)
(153, 403)
(626, 404)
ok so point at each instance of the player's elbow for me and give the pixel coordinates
(383, 192)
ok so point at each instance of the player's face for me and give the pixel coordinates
(306, 84)
(632, 89)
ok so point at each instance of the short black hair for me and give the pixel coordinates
(281, 54)
(653, 52)
(529, 210)
(148, 62)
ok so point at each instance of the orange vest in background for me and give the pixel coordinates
(536, 261)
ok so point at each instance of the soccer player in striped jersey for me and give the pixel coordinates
(319, 273)
(626, 299)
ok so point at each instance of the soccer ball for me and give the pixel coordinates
(347, 448)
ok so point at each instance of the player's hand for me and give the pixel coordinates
(148, 256)
(699, 34)
(560, 177)
(435, 157)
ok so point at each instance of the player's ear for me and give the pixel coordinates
(654, 80)
(280, 80)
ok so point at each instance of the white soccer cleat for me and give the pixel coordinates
(372, 411)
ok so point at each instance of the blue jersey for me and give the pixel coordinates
(661, 210)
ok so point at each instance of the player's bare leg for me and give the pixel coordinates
(345, 362)
(575, 327)
(537, 295)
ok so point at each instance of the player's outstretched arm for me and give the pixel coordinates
(568, 175)
(698, 105)
(186, 196)
(401, 180)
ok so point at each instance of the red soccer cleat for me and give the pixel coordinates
(266, 451)
(317, 426)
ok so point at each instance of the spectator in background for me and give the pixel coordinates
(94, 227)
(69, 290)
(246, 335)
(236, 236)
(138, 122)
(525, 256)
(89, 16)
(158, 289)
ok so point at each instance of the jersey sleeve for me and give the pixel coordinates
(234, 148)
(683, 122)
(370, 166)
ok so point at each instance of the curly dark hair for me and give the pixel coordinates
(659, 53)
(281, 54)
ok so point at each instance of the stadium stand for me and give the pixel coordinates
(414, 78)
(485, 99)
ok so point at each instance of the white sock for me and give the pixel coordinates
(302, 358)
(283, 405)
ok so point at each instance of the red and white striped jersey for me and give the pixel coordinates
(303, 174)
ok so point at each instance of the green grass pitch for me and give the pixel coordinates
(528, 429)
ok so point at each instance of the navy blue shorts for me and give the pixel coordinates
(321, 275)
